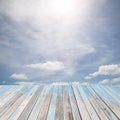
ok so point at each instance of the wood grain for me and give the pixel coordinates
(59, 102)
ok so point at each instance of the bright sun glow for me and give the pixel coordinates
(63, 7)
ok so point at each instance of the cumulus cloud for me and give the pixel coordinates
(110, 81)
(19, 76)
(105, 81)
(113, 69)
(115, 80)
(49, 65)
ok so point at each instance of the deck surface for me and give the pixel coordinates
(57, 102)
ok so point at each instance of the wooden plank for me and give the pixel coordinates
(83, 111)
(89, 107)
(45, 105)
(67, 105)
(51, 112)
(12, 108)
(114, 89)
(103, 104)
(9, 96)
(16, 114)
(74, 106)
(6, 91)
(97, 107)
(110, 101)
(35, 112)
(111, 93)
(7, 103)
(26, 112)
(59, 104)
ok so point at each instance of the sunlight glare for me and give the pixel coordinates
(63, 7)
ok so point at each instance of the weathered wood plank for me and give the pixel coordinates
(6, 115)
(35, 112)
(59, 104)
(26, 112)
(12, 92)
(67, 105)
(45, 105)
(82, 108)
(16, 114)
(51, 112)
(4, 105)
(110, 100)
(104, 101)
(74, 106)
(6, 92)
(111, 94)
(97, 107)
(89, 107)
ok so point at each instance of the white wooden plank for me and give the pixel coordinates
(45, 105)
(12, 108)
(76, 102)
(26, 112)
(7, 103)
(109, 101)
(35, 112)
(111, 94)
(67, 105)
(59, 104)
(95, 103)
(16, 114)
(82, 108)
(51, 112)
(103, 104)
(74, 106)
(89, 107)
(8, 92)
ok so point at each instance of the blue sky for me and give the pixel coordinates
(46, 41)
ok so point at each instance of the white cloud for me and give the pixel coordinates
(105, 81)
(115, 80)
(110, 81)
(19, 76)
(49, 65)
(113, 69)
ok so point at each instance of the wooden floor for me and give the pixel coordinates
(57, 102)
